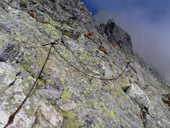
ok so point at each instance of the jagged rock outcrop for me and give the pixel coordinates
(116, 35)
(92, 78)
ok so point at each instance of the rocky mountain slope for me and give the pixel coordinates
(85, 75)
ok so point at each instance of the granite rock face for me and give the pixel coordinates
(92, 78)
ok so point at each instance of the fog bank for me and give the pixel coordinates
(150, 34)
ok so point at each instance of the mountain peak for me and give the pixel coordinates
(59, 69)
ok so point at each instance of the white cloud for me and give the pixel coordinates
(151, 39)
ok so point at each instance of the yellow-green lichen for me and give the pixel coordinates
(69, 121)
(34, 60)
(65, 96)
(96, 83)
(123, 83)
(29, 112)
(28, 68)
(106, 88)
(79, 105)
(38, 113)
(41, 83)
(68, 33)
(52, 102)
(85, 57)
(3, 89)
(51, 31)
(125, 97)
(97, 125)
(87, 89)
(70, 115)
(91, 103)
(74, 124)
(110, 112)
(66, 27)
(62, 80)
(21, 39)
(50, 27)
(52, 22)
(117, 91)
(64, 52)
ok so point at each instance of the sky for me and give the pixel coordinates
(148, 23)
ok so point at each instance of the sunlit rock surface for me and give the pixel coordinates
(92, 78)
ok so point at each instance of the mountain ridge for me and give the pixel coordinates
(92, 78)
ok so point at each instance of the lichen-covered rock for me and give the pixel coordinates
(92, 78)
(138, 96)
(47, 117)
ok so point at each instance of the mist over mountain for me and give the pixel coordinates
(148, 24)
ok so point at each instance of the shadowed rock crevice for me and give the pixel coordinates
(9, 53)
